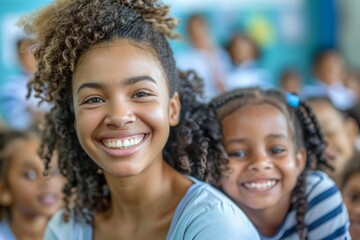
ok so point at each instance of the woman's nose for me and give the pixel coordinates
(120, 114)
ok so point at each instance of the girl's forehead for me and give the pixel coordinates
(244, 105)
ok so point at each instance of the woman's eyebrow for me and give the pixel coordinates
(133, 80)
(128, 82)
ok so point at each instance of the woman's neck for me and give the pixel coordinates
(27, 227)
(142, 203)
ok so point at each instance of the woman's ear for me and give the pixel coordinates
(5, 195)
(174, 110)
(300, 160)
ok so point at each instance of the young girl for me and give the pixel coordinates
(110, 72)
(27, 197)
(260, 146)
(351, 193)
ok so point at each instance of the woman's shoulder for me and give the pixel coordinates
(74, 228)
(205, 211)
(5, 231)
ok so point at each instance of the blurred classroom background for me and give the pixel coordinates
(287, 33)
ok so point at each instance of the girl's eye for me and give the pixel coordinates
(93, 100)
(277, 150)
(238, 154)
(30, 175)
(141, 94)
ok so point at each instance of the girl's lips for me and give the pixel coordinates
(260, 185)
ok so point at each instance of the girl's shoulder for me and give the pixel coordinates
(73, 229)
(318, 181)
(206, 213)
(326, 216)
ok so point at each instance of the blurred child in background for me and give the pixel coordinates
(340, 133)
(351, 193)
(28, 198)
(206, 57)
(291, 81)
(246, 72)
(20, 112)
(329, 74)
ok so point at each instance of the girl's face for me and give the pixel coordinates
(351, 196)
(28, 191)
(263, 164)
(122, 107)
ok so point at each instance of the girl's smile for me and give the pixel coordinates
(260, 185)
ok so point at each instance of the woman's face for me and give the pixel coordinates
(351, 196)
(123, 111)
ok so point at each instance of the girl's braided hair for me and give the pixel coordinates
(64, 31)
(205, 130)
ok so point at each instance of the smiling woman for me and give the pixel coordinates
(111, 74)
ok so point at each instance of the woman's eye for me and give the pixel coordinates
(238, 154)
(141, 94)
(30, 175)
(93, 100)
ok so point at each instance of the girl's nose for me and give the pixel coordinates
(260, 162)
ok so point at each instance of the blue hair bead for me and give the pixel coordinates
(292, 99)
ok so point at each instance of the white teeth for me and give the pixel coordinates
(263, 185)
(118, 143)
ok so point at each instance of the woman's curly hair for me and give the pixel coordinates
(204, 129)
(64, 31)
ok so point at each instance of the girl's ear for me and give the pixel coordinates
(300, 159)
(174, 109)
(5, 195)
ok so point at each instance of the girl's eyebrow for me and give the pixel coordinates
(243, 140)
(129, 81)
(277, 136)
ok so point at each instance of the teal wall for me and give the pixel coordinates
(316, 19)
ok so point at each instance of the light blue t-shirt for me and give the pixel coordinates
(204, 213)
(5, 231)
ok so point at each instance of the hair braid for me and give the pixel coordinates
(312, 136)
(300, 203)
